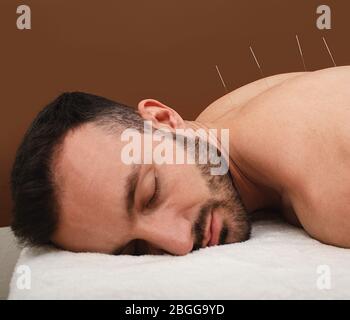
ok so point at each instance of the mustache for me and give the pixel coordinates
(200, 224)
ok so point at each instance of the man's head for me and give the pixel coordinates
(70, 186)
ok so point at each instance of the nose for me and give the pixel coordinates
(170, 233)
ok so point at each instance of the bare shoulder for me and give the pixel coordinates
(304, 116)
(242, 95)
(298, 135)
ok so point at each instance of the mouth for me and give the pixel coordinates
(213, 230)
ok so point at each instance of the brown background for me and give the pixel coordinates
(163, 49)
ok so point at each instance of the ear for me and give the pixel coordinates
(160, 114)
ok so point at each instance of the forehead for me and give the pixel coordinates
(87, 147)
(91, 179)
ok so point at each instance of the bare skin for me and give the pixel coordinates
(290, 148)
(289, 151)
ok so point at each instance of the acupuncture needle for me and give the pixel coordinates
(225, 87)
(329, 51)
(221, 78)
(259, 67)
(301, 52)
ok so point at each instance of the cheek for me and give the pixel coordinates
(184, 192)
(186, 180)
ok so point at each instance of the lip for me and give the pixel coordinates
(215, 227)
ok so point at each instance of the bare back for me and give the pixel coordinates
(296, 135)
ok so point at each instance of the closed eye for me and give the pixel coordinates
(155, 196)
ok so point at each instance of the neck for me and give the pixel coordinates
(255, 197)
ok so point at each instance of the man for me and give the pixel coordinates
(289, 152)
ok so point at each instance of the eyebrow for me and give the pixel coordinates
(130, 187)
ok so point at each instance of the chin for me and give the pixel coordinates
(236, 231)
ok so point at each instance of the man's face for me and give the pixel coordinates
(111, 207)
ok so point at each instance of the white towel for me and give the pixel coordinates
(278, 262)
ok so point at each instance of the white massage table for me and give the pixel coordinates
(278, 262)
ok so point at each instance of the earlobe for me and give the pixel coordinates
(160, 114)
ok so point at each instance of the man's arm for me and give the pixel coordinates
(242, 95)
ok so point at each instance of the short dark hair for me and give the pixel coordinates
(35, 209)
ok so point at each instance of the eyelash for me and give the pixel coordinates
(155, 195)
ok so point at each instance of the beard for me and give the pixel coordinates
(236, 225)
(224, 199)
